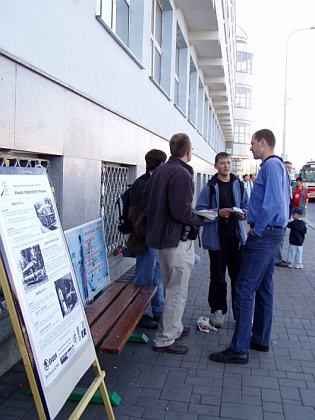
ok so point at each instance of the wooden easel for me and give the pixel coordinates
(97, 383)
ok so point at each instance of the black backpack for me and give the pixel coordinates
(122, 205)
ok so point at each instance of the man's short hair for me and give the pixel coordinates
(154, 158)
(288, 163)
(179, 144)
(299, 178)
(267, 135)
(221, 155)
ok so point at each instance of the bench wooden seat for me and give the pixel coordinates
(115, 314)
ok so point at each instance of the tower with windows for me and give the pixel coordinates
(243, 105)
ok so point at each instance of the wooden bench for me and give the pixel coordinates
(114, 315)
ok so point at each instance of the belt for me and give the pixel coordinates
(268, 227)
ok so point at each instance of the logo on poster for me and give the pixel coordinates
(50, 361)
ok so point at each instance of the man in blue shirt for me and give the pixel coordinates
(268, 214)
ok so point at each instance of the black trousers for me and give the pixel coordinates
(230, 257)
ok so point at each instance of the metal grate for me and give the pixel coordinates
(24, 163)
(114, 181)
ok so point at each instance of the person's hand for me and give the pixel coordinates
(239, 215)
(225, 212)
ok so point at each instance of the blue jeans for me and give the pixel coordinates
(279, 250)
(254, 285)
(148, 273)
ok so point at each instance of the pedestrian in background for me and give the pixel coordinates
(247, 185)
(148, 271)
(300, 195)
(296, 239)
(279, 261)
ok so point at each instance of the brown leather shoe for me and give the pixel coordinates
(281, 264)
(186, 331)
(175, 348)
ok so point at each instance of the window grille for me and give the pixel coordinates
(114, 181)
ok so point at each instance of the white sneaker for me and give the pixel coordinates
(217, 319)
(299, 266)
(290, 265)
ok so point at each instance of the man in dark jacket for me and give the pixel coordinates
(167, 200)
(148, 271)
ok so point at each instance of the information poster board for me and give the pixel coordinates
(86, 245)
(43, 284)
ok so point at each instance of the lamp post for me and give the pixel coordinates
(284, 153)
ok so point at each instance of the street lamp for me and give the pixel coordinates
(284, 154)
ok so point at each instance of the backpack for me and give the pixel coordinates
(122, 205)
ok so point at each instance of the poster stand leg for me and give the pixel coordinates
(97, 383)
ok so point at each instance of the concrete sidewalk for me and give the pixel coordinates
(279, 385)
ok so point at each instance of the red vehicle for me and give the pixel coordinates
(307, 173)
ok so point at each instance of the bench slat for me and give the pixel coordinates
(128, 322)
(105, 323)
(96, 309)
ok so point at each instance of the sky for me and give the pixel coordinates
(268, 24)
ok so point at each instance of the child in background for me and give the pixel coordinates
(296, 238)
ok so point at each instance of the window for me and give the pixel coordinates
(180, 83)
(242, 132)
(116, 14)
(156, 40)
(200, 106)
(244, 62)
(192, 98)
(123, 19)
(206, 118)
(161, 43)
(243, 97)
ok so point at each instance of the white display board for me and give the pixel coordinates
(43, 284)
(87, 249)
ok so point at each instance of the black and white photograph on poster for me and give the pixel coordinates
(67, 295)
(32, 267)
(46, 214)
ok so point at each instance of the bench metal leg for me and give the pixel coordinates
(78, 392)
(138, 338)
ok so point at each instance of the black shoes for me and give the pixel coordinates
(258, 347)
(175, 348)
(229, 356)
(147, 322)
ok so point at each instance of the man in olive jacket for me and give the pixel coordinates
(148, 271)
(167, 200)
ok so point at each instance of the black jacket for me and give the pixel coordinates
(136, 241)
(298, 231)
(167, 200)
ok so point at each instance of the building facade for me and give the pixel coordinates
(243, 105)
(88, 87)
